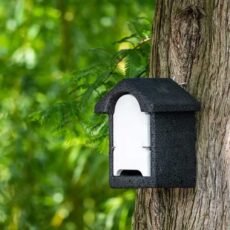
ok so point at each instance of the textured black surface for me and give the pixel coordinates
(173, 160)
(153, 95)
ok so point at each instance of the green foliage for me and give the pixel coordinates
(53, 148)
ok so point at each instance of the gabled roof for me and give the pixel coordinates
(153, 95)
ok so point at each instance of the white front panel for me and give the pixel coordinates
(131, 137)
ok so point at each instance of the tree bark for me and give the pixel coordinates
(191, 45)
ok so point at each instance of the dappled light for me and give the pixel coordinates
(57, 58)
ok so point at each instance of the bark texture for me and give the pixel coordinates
(191, 44)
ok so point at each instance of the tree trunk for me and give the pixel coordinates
(191, 45)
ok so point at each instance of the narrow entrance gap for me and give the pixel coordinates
(130, 173)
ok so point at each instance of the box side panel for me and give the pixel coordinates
(110, 147)
(175, 158)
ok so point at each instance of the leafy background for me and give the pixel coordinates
(57, 58)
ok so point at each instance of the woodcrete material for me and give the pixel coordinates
(172, 127)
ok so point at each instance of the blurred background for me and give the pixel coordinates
(57, 58)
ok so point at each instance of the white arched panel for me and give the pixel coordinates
(131, 137)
